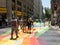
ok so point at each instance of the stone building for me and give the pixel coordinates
(19, 8)
(37, 9)
(55, 6)
(57, 3)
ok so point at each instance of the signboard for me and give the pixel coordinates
(18, 13)
(3, 10)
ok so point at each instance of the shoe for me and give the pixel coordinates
(11, 38)
(17, 36)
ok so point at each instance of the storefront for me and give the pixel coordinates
(3, 17)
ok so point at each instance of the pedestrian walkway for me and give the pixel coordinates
(25, 38)
(5, 31)
(51, 37)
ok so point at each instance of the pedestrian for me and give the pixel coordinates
(29, 23)
(24, 25)
(6, 20)
(14, 28)
(21, 23)
(59, 22)
(0, 23)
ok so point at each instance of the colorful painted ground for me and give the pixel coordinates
(24, 38)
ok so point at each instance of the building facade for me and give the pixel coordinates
(55, 6)
(13, 8)
(25, 8)
(37, 9)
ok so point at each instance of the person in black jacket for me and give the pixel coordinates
(29, 24)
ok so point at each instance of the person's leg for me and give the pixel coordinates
(59, 25)
(29, 28)
(24, 27)
(16, 31)
(12, 33)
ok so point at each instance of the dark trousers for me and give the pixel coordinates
(29, 27)
(14, 30)
(59, 25)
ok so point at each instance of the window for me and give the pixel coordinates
(54, 1)
(13, 7)
(19, 9)
(13, 0)
(18, 2)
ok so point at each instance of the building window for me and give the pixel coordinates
(19, 9)
(24, 6)
(13, 0)
(31, 0)
(19, 3)
(13, 8)
(54, 1)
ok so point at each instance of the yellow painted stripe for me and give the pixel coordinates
(26, 41)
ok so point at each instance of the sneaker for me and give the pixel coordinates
(11, 38)
(17, 36)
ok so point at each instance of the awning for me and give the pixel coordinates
(3, 10)
(18, 13)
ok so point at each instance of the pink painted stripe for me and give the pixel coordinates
(42, 41)
(34, 41)
(1, 37)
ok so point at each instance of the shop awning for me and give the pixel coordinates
(3, 10)
(18, 13)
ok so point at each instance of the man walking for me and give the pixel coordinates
(14, 28)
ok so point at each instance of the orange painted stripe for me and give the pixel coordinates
(26, 41)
